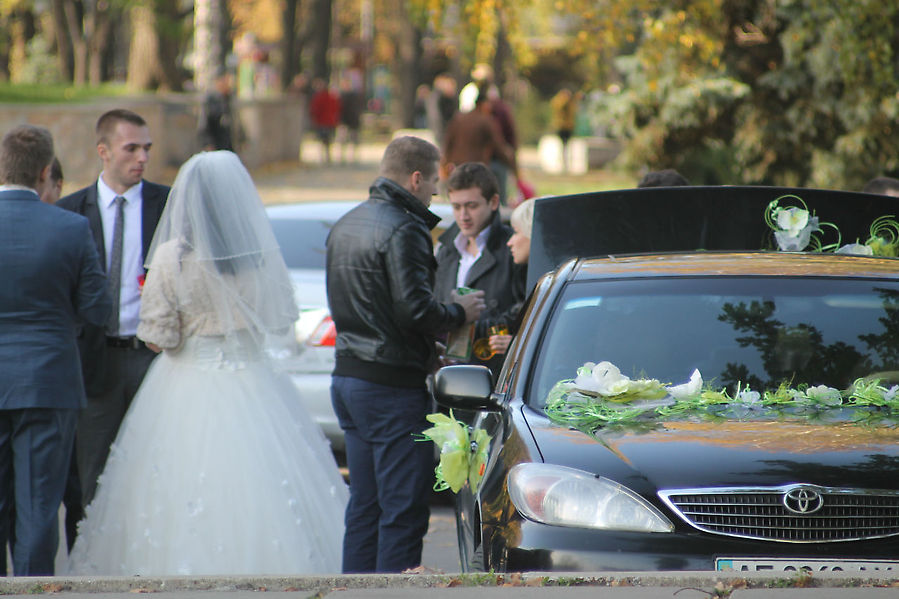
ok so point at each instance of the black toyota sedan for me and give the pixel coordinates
(690, 408)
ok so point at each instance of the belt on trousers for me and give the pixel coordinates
(124, 342)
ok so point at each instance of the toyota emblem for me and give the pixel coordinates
(803, 501)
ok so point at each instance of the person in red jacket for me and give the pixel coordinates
(324, 110)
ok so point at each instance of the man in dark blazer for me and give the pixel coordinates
(473, 253)
(114, 360)
(51, 279)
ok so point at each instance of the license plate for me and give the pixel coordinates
(791, 564)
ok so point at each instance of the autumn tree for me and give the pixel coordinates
(88, 28)
(157, 38)
(792, 92)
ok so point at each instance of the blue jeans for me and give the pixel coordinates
(391, 474)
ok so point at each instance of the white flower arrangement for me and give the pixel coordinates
(601, 395)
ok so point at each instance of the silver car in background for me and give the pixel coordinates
(306, 354)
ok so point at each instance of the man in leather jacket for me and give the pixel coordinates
(473, 253)
(380, 280)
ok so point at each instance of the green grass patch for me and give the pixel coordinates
(596, 180)
(33, 93)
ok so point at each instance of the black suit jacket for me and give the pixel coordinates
(92, 340)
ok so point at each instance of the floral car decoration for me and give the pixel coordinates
(462, 458)
(601, 396)
(796, 229)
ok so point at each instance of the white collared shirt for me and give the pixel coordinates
(132, 250)
(12, 187)
(467, 260)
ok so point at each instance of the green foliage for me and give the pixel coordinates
(34, 93)
(40, 65)
(794, 92)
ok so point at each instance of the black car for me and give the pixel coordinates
(690, 408)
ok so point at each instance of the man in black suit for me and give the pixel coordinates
(114, 361)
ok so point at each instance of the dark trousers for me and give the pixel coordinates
(391, 474)
(99, 422)
(35, 453)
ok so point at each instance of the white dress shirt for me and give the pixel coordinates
(132, 249)
(466, 259)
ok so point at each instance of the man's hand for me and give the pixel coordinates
(473, 303)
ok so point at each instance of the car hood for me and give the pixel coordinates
(687, 454)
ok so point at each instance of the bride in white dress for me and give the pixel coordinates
(216, 469)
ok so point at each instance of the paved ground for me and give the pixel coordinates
(685, 585)
(312, 180)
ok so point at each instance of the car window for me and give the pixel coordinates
(302, 241)
(756, 331)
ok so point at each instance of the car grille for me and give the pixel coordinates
(790, 514)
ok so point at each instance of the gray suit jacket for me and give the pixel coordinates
(92, 341)
(50, 281)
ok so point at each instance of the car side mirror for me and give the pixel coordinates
(465, 387)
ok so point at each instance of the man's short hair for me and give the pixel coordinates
(24, 152)
(406, 155)
(56, 170)
(107, 122)
(664, 178)
(473, 174)
(882, 185)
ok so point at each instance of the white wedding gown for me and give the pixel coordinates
(217, 469)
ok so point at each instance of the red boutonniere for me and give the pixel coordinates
(140, 282)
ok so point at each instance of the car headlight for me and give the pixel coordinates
(567, 497)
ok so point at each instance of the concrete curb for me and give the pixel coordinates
(325, 584)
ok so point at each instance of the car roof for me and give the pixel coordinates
(335, 209)
(705, 264)
(684, 219)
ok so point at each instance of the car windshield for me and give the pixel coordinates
(302, 241)
(749, 331)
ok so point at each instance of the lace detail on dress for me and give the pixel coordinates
(218, 353)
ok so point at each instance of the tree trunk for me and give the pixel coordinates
(169, 43)
(63, 40)
(75, 25)
(97, 45)
(208, 47)
(290, 63)
(320, 38)
(151, 58)
(408, 70)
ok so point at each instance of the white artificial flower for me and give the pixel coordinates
(609, 380)
(584, 379)
(792, 220)
(790, 241)
(825, 395)
(891, 393)
(749, 397)
(688, 389)
(856, 249)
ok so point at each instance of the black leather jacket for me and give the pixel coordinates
(380, 280)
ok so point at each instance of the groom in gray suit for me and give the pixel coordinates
(51, 281)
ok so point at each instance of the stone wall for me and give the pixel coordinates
(270, 131)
